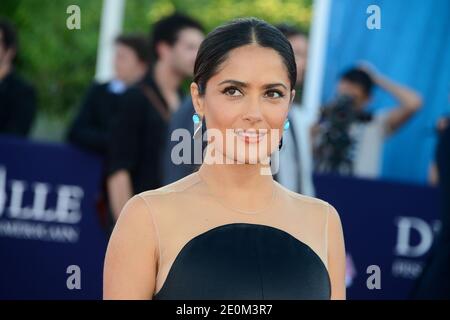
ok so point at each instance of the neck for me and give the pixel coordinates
(166, 78)
(5, 69)
(244, 185)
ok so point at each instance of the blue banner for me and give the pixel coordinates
(389, 229)
(51, 243)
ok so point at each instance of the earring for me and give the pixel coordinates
(286, 124)
(285, 127)
(197, 122)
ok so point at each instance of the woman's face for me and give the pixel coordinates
(246, 104)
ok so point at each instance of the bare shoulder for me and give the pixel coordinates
(132, 254)
(311, 203)
(134, 214)
(185, 184)
(134, 229)
(173, 195)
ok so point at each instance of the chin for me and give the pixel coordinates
(241, 153)
(253, 158)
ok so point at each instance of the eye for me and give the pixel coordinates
(274, 94)
(232, 92)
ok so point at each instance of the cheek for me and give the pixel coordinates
(181, 55)
(276, 121)
(276, 115)
(133, 65)
(132, 61)
(220, 114)
(119, 66)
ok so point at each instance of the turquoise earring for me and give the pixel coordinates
(197, 122)
(285, 127)
(196, 118)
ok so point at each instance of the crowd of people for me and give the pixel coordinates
(128, 120)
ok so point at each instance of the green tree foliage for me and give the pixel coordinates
(60, 62)
(214, 12)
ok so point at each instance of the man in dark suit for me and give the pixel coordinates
(17, 97)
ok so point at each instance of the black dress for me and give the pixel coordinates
(246, 261)
(207, 251)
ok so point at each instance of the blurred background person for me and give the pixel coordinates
(17, 97)
(433, 174)
(348, 139)
(140, 130)
(91, 128)
(294, 169)
(181, 119)
(434, 281)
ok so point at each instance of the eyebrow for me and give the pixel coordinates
(245, 85)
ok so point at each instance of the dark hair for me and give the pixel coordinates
(240, 32)
(138, 44)
(360, 78)
(9, 34)
(168, 28)
(290, 31)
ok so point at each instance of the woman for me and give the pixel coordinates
(229, 231)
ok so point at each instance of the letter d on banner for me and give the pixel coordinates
(404, 227)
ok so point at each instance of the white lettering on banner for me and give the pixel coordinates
(38, 231)
(406, 228)
(2, 190)
(406, 269)
(73, 22)
(17, 190)
(18, 220)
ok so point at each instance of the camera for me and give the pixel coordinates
(333, 152)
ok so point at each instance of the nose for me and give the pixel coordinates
(253, 112)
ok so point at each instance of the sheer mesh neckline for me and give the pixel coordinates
(267, 207)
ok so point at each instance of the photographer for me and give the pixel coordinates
(348, 140)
